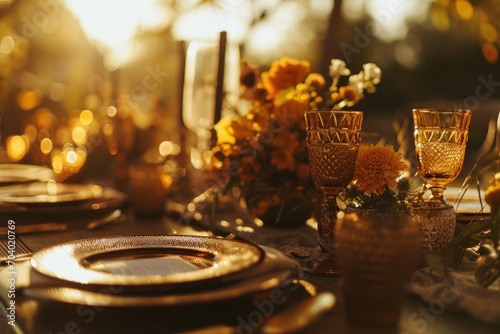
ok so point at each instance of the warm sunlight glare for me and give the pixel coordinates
(206, 21)
(114, 24)
(390, 19)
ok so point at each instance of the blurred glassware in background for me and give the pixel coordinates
(149, 187)
(200, 92)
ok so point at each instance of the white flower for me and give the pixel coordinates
(337, 68)
(356, 82)
(372, 73)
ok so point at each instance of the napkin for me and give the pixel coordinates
(458, 291)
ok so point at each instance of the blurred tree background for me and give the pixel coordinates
(59, 57)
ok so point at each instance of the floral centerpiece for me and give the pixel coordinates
(378, 241)
(262, 149)
(381, 181)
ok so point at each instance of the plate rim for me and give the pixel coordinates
(274, 271)
(85, 193)
(141, 282)
(46, 173)
(112, 199)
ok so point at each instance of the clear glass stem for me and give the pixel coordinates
(437, 194)
(326, 225)
(325, 263)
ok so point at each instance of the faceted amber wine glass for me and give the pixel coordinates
(333, 139)
(440, 140)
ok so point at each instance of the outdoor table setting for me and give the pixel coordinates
(231, 175)
(203, 275)
(206, 263)
(341, 236)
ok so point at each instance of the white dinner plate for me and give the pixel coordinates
(102, 262)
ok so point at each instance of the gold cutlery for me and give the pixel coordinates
(111, 218)
(35, 228)
(291, 320)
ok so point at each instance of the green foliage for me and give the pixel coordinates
(405, 192)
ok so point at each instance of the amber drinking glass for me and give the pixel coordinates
(333, 139)
(440, 140)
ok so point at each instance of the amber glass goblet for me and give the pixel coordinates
(333, 139)
(440, 140)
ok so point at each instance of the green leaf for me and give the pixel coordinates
(436, 264)
(471, 229)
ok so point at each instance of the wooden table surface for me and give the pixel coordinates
(39, 317)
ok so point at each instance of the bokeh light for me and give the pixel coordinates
(465, 11)
(17, 147)
(111, 111)
(28, 99)
(46, 145)
(79, 135)
(86, 117)
(7, 44)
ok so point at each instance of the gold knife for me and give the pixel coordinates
(113, 216)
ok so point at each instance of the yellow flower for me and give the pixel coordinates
(260, 117)
(378, 167)
(285, 73)
(316, 80)
(242, 128)
(349, 93)
(224, 131)
(492, 194)
(291, 110)
(286, 141)
(282, 160)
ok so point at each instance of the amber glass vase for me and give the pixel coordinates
(377, 255)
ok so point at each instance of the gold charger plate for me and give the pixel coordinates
(49, 193)
(213, 260)
(110, 200)
(274, 271)
(21, 173)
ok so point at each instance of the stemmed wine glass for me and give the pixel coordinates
(440, 140)
(333, 139)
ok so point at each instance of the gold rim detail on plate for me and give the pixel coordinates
(47, 193)
(77, 261)
(275, 270)
(20, 173)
